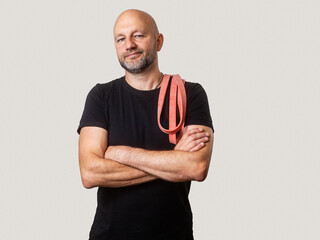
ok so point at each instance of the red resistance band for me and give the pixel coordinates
(177, 86)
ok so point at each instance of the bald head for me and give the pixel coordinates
(139, 18)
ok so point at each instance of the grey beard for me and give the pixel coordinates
(140, 66)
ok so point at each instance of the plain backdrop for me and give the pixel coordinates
(259, 63)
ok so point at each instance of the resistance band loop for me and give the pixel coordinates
(177, 86)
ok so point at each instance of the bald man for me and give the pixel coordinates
(143, 180)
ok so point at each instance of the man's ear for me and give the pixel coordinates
(160, 40)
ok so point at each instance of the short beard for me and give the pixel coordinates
(141, 65)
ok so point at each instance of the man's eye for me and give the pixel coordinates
(138, 36)
(120, 39)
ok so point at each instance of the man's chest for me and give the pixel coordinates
(133, 122)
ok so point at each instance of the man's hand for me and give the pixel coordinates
(192, 140)
(113, 152)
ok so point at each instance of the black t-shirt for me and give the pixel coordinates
(157, 210)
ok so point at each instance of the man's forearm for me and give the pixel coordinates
(108, 173)
(120, 166)
(175, 166)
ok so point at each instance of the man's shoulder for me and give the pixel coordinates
(193, 88)
(111, 84)
(191, 84)
(104, 89)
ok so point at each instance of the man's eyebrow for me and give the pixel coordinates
(133, 32)
(119, 35)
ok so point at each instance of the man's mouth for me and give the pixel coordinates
(133, 55)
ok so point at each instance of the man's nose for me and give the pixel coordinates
(130, 44)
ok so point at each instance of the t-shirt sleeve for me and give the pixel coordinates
(198, 112)
(94, 113)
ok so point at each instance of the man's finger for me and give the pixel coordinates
(197, 147)
(197, 142)
(197, 136)
(193, 131)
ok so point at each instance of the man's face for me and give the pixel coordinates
(135, 43)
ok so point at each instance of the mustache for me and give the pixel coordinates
(132, 51)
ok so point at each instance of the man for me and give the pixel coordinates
(143, 179)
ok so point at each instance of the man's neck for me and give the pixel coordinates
(146, 80)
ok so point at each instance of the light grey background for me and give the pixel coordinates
(257, 60)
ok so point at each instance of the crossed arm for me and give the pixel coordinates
(118, 166)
